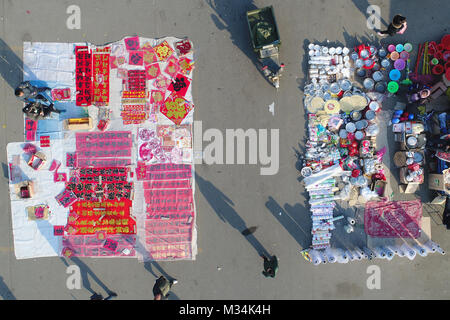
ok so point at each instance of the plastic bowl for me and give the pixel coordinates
(399, 48)
(404, 55)
(391, 48)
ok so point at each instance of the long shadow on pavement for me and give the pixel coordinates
(222, 206)
(85, 272)
(295, 219)
(11, 66)
(5, 293)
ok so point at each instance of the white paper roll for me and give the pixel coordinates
(351, 221)
(400, 252)
(379, 253)
(358, 254)
(331, 258)
(420, 250)
(389, 253)
(341, 256)
(410, 253)
(370, 254)
(351, 255)
(316, 258)
(429, 247)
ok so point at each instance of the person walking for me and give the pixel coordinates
(270, 266)
(162, 287)
(26, 92)
(398, 25)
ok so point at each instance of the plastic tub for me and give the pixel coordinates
(394, 75)
(395, 55)
(391, 48)
(438, 69)
(408, 47)
(392, 87)
(404, 55)
(399, 48)
(399, 64)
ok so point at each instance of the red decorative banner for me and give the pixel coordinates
(163, 51)
(136, 58)
(83, 74)
(103, 162)
(176, 108)
(92, 246)
(152, 71)
(100, 61)
(167, 184)
(180, 85)
(183, 47)
(149, 54)
(110, 216)
(133, 94)
(136, 81)
(45, 141)
(132, 43)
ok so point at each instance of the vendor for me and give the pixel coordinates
(26, 92)
(439, 144)
(38, 111)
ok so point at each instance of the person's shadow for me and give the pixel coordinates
(5, 293)
(85, 272)
(362, 6)
(222, 206)
(12, 68)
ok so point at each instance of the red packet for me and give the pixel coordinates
(136, 58)
(66, 198)
(180, 85)
(60, 177)
(149, 55)
(163, 51)
(186, 66)
(113, 64)
(45, 141)
(61, 94)
(132, 43)
(157, 97)
(31, 135)
(30, 125)
(55, 165)
(71, 160)
(183, 47)
(58, 230)
(162, 82)
(152, 71)
(111, 244)
(172, 69)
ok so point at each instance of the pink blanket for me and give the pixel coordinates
(396, 219)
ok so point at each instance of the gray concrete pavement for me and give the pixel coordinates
(229, 93)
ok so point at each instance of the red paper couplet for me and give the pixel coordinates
(45, 141)
(83, 74)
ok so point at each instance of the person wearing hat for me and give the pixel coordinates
(398, 25)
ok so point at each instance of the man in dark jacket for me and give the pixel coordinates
(270, 266)
(162, 287)
(26, 92)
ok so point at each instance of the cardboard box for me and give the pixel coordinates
(436, 182)
(78, 123)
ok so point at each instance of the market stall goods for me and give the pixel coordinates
(113, 175)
